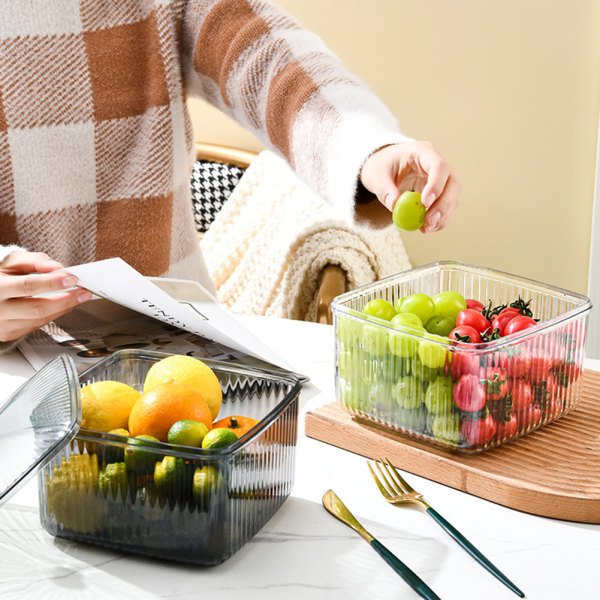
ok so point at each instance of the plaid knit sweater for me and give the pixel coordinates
(96, 144)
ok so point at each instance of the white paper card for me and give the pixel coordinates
(119, 282)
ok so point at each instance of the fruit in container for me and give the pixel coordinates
(105, 405)
(239, 424)
(72, 494)
(187, 432)
(163, 405)
(219, 437)
(190, 371)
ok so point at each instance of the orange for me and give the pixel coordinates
(192, 372)
(165, 404)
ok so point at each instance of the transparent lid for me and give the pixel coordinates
(37, 421)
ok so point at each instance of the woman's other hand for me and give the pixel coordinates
(23, 277)
(418, 166)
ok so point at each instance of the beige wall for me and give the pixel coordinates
(508, 90)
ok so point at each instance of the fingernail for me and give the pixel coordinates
(84, 296)
(389, 201)
(433, 221)
(69, 281)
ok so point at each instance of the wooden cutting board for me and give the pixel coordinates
(552, 472)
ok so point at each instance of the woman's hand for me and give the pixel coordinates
(418, 166)
(24, 275)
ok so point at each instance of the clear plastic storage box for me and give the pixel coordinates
(412, 383)
(100, 488)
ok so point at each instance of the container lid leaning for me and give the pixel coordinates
(37, 422)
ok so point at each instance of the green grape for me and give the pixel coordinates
(449, 304)
(417, 304)
(408, 392)
(355, 395)
(375, 340)
(440, 325)
(409, 212)
(349, 330)
(403, 344)
(349, 363)
(438, 397)
(432, 355)
(446, 428)
(380, 308)
(408, 319)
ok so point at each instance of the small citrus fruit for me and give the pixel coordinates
(206, 482)
(157, 409)
(105, 405)
(219, 438)
(187, 433)
(192, 372)
(238, 424)
(139, 457)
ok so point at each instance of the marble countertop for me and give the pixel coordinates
(303, 551)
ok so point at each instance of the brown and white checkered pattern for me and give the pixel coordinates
(95, 139)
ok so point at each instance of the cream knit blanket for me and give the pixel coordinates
(268, 245)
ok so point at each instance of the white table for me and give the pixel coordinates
(303, 552)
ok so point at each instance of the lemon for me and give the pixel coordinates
(105, 405)
(219, 437)
(192, 372)
(187, 433)
(72, 494)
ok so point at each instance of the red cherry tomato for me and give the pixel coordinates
(495, 381)
(465, 334)
(532, 365)
(507, 429)
(501, 321)
(475, 304)
(472, 318)
(478, 431)
(464, 363)
(521, 394)
(468, 393)
(529, 417)
(509, 309)
(518, 323)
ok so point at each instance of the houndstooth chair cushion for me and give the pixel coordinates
(212, 184)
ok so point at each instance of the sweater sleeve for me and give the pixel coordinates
(281, 82)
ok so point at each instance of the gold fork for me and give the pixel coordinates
(397, 491)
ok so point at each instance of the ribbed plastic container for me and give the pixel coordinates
(410, 383)
(207, 503)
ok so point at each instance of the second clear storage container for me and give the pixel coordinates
(413, 383)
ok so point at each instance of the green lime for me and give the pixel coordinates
(139, 457)
(171, 479)
(187, 433)
(113, 480)
(206, 482)
(219, 437)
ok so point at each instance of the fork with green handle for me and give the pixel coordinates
(395, 490)
(338, 509)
